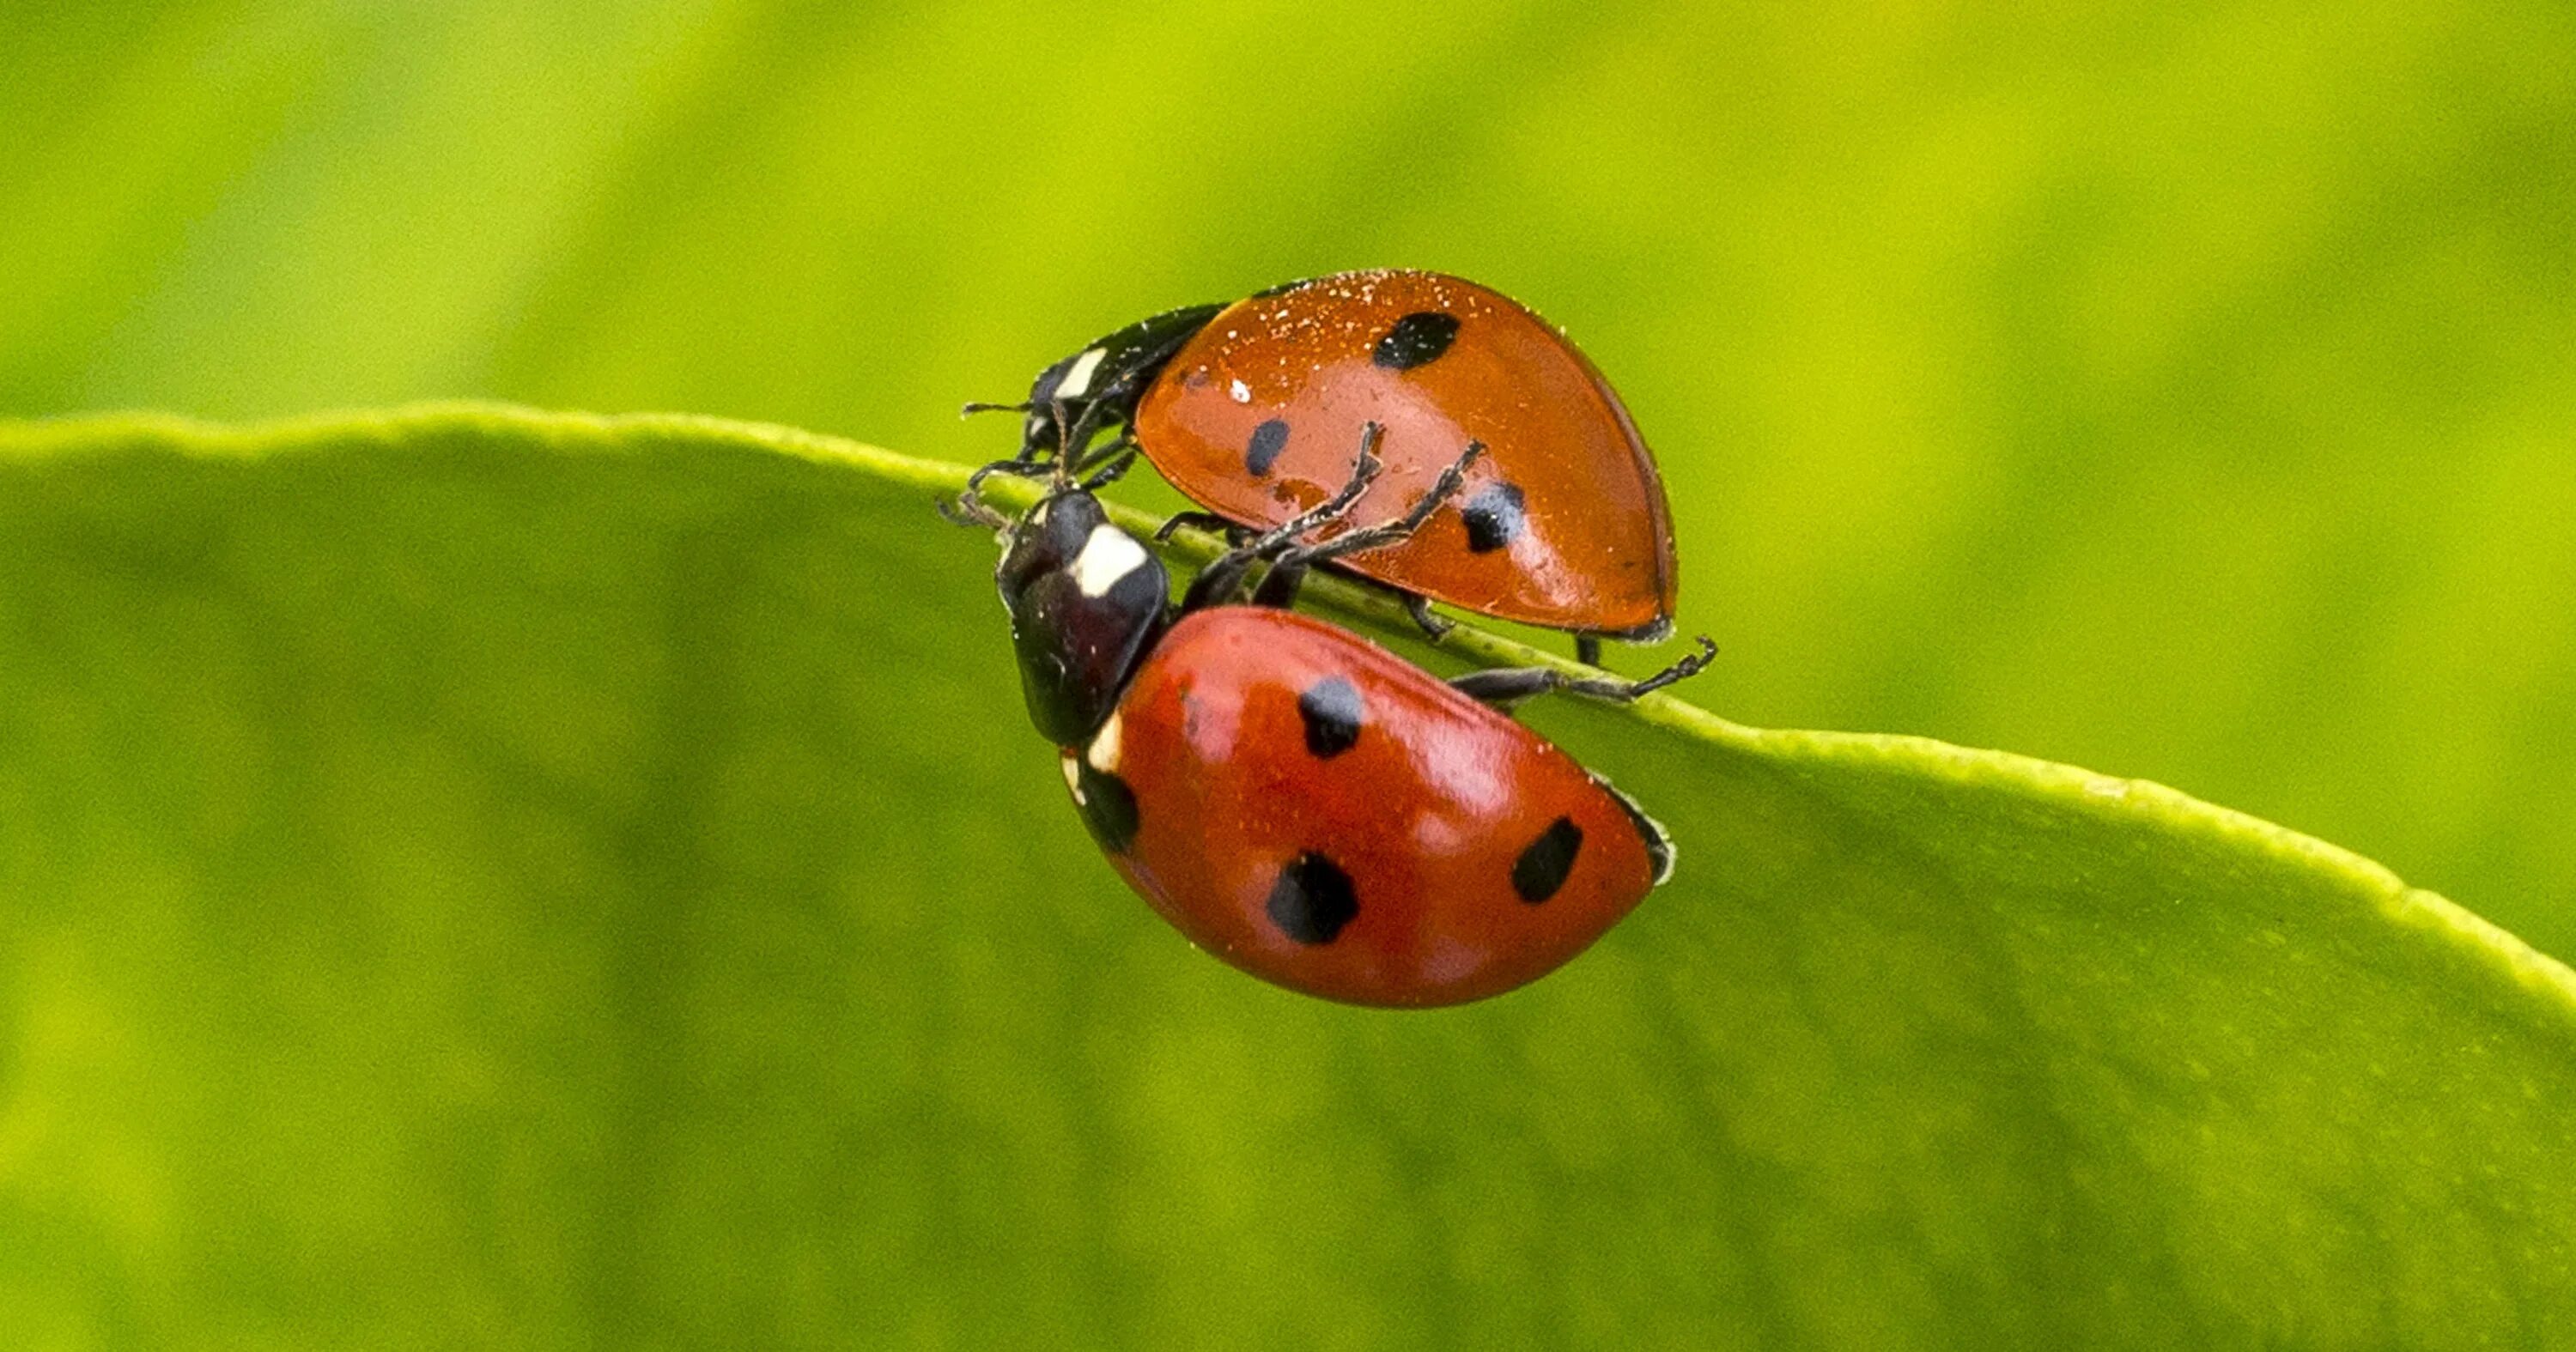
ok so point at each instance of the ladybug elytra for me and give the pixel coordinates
(1249, 409)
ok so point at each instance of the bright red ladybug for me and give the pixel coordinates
(1301, 802)
(1250, 409)
(1327, 816)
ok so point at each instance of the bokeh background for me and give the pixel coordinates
(2184, 391)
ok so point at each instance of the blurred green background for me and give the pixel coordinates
(2186, 392)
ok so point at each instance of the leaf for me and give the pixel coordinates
(477, 877)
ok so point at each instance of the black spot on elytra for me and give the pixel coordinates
(1495, 517)
(1312, 899)
(1416, 339)
(1268, 440)
(1108, 808)
(1333, 713)
(1542, 867)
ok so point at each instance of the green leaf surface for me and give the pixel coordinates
(474, 878)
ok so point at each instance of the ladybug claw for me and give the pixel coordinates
(1690, 665)
(966, 509)
(1433, 626)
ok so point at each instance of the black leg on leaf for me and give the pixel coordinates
(1690, 665)
(1419, 607)
(1504, 687)
(1587, 649)
(1206, 521)
(1024, 466)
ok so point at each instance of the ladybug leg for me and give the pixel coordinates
(1223, 577)
(1504, 687)
(1364, 471)
(1206, 521)
(1073, 429)
(1113, 467)
(1217, 583)
(1690, 665)
(1023, 465)
(1120, 447)
(1587, 649)
(1288, 571)
(1418, 606)
(1033, 458)
(970, 510)
(1087, 421)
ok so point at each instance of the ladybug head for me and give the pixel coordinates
(1098, 386)
(1087, 600)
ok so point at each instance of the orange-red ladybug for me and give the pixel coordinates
(1250, 409)
(1325, 815)
(1301, 802)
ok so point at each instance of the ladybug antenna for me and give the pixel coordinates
(1065, 426)
(978, 406)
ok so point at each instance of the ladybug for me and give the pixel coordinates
(1248, 409)
(1301, 802)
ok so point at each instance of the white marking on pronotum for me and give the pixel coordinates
(1242, 393)
(1073, 781)
(1077, 378)
(1104, 746)
(1107, 556)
